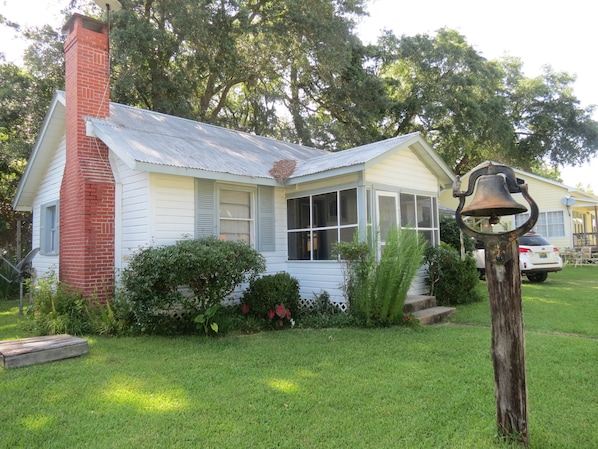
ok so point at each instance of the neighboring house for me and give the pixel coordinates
(567, 216)
(105, 180)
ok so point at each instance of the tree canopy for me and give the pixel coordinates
(296, 70)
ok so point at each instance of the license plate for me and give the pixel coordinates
(543, 255)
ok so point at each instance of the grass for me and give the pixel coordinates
(337, 388)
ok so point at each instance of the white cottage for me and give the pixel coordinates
(106, 179)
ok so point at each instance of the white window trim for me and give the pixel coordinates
(252, 204)
(49, 235)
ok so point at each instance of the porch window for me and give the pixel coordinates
(49, 228)
(411, 211)
(316, 222)
(550, 224)
(236, 215)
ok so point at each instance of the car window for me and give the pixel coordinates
(533, 240)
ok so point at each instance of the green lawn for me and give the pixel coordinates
(338, 388)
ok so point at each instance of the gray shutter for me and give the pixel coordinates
(265, 218)
(205, 208)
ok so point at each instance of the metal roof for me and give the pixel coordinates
(156, 142)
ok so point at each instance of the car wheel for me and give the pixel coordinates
(537, 277)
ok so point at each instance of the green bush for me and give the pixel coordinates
(168, 286)
(451, 234)
(451, 279)
(324, 314)
(56, 309)
(264, 294)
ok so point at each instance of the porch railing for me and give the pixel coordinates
(581, 239)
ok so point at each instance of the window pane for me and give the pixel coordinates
(348, 233)
(298, 213)
(387, 210)
(348, 207)
(408, 218)
(325, 212)
(235, 204)
(428, 235)
(233, 230)
(424, 212)
(322, 243)
(299, 245)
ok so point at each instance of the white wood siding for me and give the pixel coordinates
(132, 211)
(316, 276)
(403, 170)
(49, 190)
(172, 215)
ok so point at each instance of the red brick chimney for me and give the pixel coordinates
(87, 192)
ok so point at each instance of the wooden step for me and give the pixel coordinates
(29, 351)
(413, 303)
(433, 314)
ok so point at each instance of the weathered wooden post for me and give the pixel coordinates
(503, 277)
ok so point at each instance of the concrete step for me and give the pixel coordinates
(433, 314)
(413, 303)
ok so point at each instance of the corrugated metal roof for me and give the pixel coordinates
(152, 138)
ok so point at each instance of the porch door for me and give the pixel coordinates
(387, 215)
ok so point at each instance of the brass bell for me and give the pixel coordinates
(492, 199)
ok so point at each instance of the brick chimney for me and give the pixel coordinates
(86, 246)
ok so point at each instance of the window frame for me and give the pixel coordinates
(542, 226)
(252, 191)
(306, 233)
(50, 228)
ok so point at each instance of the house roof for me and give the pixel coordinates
(156, 142)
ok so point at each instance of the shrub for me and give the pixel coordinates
(451, 234)
(451, 279)
(56, 309)
(324, 314)
(265, 296)
(168, 286)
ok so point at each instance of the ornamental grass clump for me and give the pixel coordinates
(377, 289)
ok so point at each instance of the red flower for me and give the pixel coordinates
(280, 311)
(271, 314)
(245, 309)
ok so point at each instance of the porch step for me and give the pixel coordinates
(425, 310)
(433, 314)
(413, 303)
(29, 351)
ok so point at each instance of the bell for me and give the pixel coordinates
(492, 199)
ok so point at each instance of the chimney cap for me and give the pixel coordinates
(86, 22)
(109, 5)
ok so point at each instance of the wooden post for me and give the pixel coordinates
(508, 343)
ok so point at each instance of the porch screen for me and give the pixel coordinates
(316, 222)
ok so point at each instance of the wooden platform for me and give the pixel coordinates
(29, 351)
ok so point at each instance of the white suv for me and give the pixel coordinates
(537, 257)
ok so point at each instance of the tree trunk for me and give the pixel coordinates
(508, 344)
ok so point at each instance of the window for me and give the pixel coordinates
(236, 215)
(550, 224)
(316, 222)
(419, 212)
(49, 228)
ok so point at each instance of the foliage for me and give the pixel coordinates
(451, 235)
(168, 286)
(265, 294)
(8, 290)
(57, 309)
(452, 280)
(472, 110)
(321, 313)
(205, 321)
(356, 259)
(379, 288)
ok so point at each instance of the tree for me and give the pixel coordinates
(472, 109)
(256, 66)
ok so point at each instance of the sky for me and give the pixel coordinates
(562, 35)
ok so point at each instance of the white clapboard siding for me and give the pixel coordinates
(276, 261)
(48, 191)
(404, 170)
(317, 276)
(172, 215)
